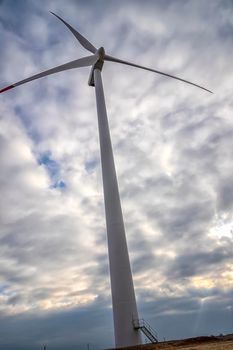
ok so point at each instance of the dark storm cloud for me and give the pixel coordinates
(59, 329)
(225, 197)
(191, 264)
(190, 314)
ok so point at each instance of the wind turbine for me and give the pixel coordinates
(125, 312)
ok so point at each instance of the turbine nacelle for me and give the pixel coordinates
(97, 65)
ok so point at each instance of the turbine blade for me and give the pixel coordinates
(83, 41)
(82, 62)
(117, 60)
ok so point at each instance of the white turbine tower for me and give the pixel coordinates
(125, 312)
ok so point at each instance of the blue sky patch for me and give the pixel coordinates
(60, 185)
(50, 164)
(53, 170)
(91, 164)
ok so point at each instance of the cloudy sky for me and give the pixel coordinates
(173, 146)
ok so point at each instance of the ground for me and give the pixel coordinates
(200, 343)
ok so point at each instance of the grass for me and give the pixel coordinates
(199, 343)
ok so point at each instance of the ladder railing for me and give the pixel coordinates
(144, 326)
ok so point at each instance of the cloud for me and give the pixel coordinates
(173, 153)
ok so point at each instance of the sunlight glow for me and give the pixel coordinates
(203, 282)
(223, 227)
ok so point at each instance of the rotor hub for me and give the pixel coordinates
(101, 53)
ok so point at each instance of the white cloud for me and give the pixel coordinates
(172, 147)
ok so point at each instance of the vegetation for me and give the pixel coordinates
(220, 342)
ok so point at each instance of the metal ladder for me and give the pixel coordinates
(144, 326)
